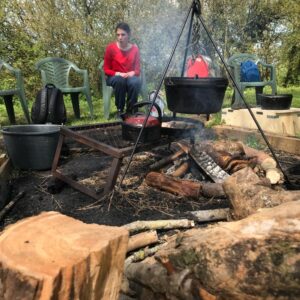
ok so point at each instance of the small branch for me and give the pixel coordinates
(159, 224)
(11, 204)
(142, 239)
(141, 255)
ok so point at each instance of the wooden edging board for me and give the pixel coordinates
(279, 142)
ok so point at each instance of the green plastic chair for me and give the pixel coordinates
(234, 62)
(107, 91)
(17, 91)
(56, 71)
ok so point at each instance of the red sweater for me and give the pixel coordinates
(117, 60)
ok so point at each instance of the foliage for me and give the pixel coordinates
(79, 31)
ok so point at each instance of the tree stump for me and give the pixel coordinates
(52, 256)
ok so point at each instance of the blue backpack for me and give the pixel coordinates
(249, 71)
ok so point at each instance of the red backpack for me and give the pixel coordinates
(197, 67)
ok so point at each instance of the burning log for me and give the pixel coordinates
(254, 258)
(142, 239)
(234, 156)
(248, 193)
(184, 188)
(158, 224)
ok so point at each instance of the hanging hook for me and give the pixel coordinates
(197, 7)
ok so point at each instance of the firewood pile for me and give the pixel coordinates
(215, 161)
(251, 256)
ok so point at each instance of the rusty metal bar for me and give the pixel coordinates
(117, 154)
(74, 184)
(109, 150)
(113, 175)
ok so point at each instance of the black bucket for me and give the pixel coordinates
(195, 95)
(31, 147)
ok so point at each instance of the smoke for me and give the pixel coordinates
(156, 26)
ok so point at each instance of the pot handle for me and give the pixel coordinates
(143, 103)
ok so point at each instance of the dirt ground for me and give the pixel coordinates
(134, 201)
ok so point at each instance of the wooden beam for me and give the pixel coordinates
(284, 143)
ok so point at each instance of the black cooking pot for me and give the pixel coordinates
(276, 102)
(195, 95)
(133, 122)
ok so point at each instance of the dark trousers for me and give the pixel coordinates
(122, 86)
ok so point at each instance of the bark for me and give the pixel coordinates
(248, 193)
(158, 224)
(141, 240)
(184, 188)
(52, 256)
(252, 259)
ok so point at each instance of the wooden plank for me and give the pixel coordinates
(284, 143)
(283, 122)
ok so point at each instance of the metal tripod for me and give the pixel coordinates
(195, 11)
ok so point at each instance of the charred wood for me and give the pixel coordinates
(164, 161)
(10, 204)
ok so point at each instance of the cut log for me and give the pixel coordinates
(253, 259)
(263, 159)
(52, 256)
(210, 215)
(274, 175)
(142, 239)
(184, 188)
(247, 193)
(158, 224)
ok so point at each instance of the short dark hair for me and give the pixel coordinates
(124, 26)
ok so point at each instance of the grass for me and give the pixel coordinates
(98, 107)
